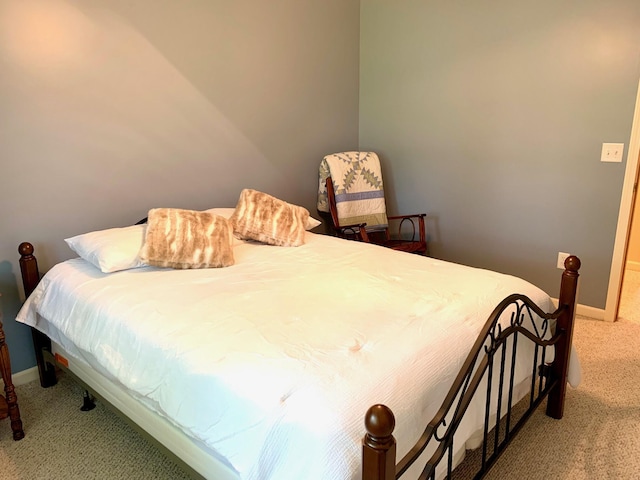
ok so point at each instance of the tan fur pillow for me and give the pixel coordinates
(179, 238)
(259, 216)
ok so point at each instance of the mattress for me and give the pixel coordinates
(271, 363)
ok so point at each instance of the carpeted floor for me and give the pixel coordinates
(630, 296)
(598, 438)
(77, 445)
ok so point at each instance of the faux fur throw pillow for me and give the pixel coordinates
(259, 216)
(179, 238)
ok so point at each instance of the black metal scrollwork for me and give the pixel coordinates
(515, 316)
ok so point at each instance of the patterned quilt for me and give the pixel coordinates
(357, 182)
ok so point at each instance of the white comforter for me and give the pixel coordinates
(273, 362)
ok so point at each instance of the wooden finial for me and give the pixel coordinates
(25, 249)
(379, 446)
(379, 422)
(572, 263)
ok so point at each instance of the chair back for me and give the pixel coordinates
(357, 188)
(351, 198)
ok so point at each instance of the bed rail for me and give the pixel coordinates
(495, 345)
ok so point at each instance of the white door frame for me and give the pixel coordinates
(624, 218)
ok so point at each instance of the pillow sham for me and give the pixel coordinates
(312, 223)
(180, 239)
(110, 250)
(262, 217)
(227, 212)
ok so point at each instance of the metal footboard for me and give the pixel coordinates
(516, 324)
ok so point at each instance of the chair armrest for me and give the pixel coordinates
(420, 230)
(398, 217)
(355, 231)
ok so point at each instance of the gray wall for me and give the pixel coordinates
(490, 116)
(111, 107)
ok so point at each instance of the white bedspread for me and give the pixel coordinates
(274, 361)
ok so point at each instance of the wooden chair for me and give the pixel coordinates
(408, 236)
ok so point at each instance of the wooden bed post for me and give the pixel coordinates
(28, 268)
(379, 446)
(30, 279)
(560, 366)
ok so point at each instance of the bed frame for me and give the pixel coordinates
(491, 357)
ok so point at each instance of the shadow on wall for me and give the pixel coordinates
(115, 111)
(109, 107)
(17, 334)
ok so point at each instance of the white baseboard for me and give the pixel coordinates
(591, 312)
(585, 310)
(22, 377)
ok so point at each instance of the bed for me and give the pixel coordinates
(290, 362)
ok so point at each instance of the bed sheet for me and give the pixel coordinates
(272, 362)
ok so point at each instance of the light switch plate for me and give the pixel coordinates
(612, 152)
(561, 258)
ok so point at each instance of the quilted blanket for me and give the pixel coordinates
(357, 182)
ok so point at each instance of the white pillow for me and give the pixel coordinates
(312, 223)
(223, 212)
(227, 212)
(110, 250)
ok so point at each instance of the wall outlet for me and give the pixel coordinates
(561, 258)
(612, 152)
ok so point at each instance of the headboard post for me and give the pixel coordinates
(28, 268)
(30, 279)
(379, 446)
(560, 366)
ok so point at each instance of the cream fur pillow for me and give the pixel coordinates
(179, 238)
(259, 216)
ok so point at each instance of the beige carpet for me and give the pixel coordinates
(61, 442)
(599, 437)
(630, 297)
